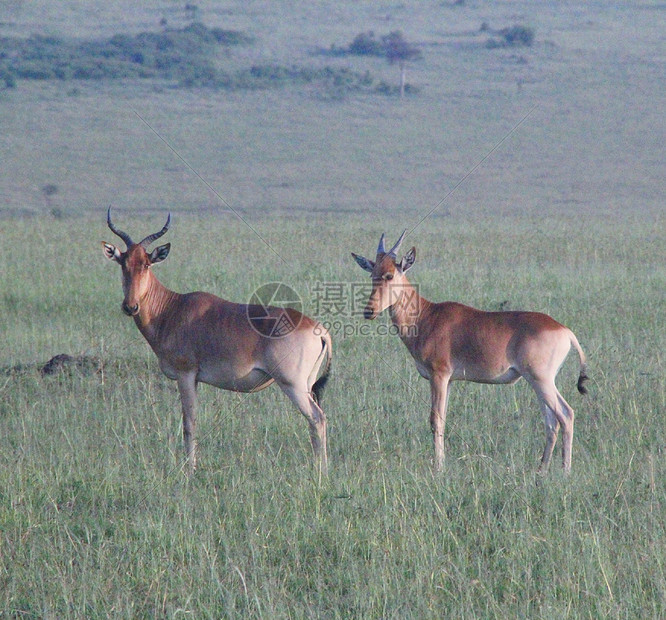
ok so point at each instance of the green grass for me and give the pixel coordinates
(539, 172)
(98, 518)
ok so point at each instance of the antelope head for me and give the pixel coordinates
(135, 262)
(388, 276)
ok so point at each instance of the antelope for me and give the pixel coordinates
(201, 338)
(453, 342)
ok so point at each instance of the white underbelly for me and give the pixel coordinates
(225, 377)
(252, 381)
(476, 375)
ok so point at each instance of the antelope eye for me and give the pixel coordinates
(388, 276)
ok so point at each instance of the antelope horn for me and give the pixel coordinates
(123, 235)
(394, 250)
(150, 238)
(381, 249)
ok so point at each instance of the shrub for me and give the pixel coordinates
(515, 36)
(182, 55)
(231, 37)
(519, 36)
(392, 90)
(32, 71)
(186, 56)
(7, 77)
(365, 44)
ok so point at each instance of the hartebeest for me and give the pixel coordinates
(201, 338)
(453, 342)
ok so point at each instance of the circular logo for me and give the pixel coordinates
(274, 310)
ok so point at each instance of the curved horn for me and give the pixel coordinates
(394, 250)
(150, 238)
(380, 248)
(123, 235)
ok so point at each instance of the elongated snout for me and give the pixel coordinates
(130, 310)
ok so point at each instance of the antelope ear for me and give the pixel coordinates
(408, 260)
(364, 263)
(111, 251)
(160, 253)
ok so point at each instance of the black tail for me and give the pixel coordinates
(320, 384)
(582, 378)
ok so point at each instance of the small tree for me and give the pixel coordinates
(399, 51)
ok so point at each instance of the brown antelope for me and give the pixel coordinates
(453, 342)
(200, 338)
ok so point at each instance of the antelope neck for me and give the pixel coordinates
(407, 311)
(153, 308)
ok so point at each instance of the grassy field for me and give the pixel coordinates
(531, 178)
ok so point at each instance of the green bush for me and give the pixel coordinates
(231, 37)
(392, 90)
(515, 36)
(182, 55)
(331, 80)
(365, 44)
(390, 46)
(186, 57)
(7, 77)
(34, 70)
(519, 36)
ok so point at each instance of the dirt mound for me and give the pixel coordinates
(61, 362)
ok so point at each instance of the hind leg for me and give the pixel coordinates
(302, 398)
(567, 421)
(552, 428)
(557, 412)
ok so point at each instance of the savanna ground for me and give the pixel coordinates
(529, 177)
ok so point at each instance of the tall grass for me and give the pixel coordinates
(544, 170)
(98, 519)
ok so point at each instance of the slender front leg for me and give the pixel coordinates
(439, 389)
(187, 386)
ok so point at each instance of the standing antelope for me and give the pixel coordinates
(200, 338)
(453, 342)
